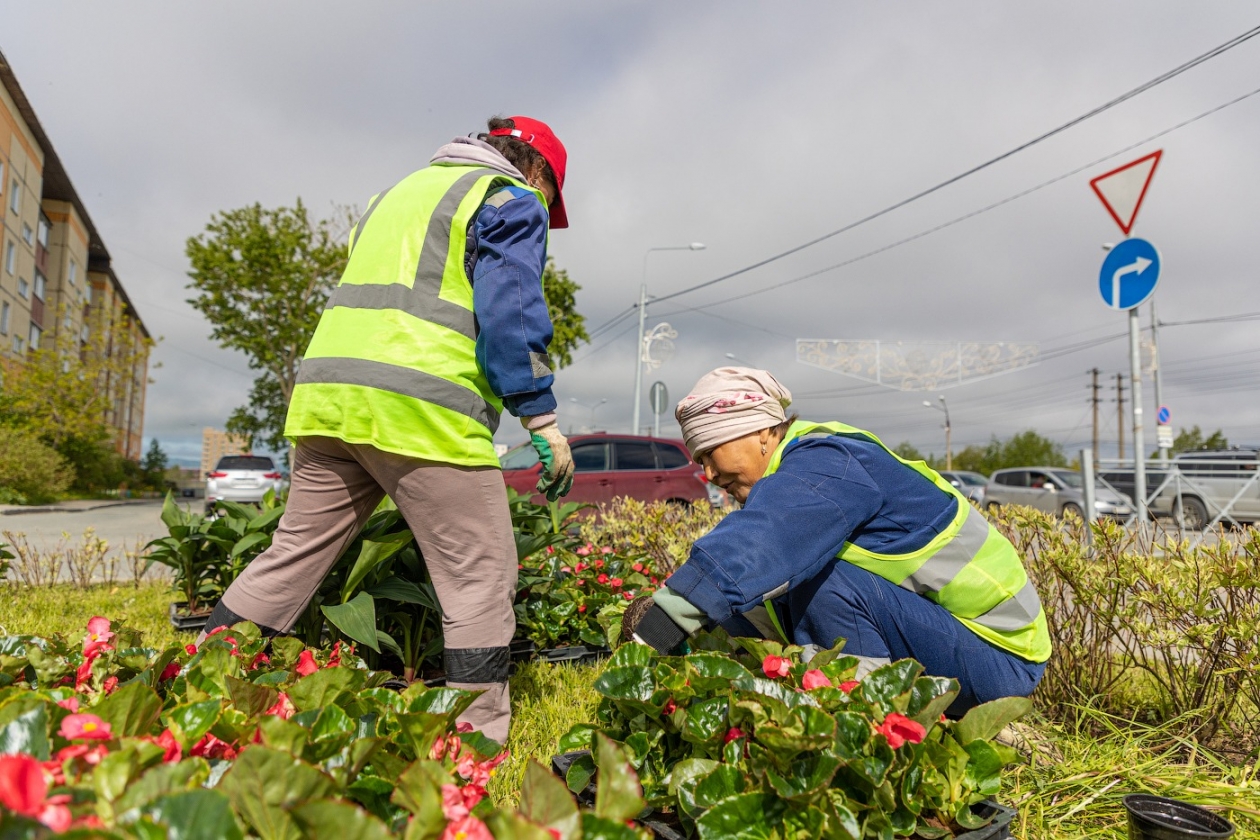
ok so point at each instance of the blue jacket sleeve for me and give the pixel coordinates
(509, 251)
(794, 523)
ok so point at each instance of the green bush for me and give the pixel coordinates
(31, 471)
(660, 531)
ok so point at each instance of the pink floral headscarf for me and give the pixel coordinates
(728, 403)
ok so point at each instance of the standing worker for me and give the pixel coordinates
(841, 538)
(439, 322)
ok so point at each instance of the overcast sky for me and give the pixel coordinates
(750, 127)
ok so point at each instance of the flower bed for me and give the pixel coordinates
(113, 739)
(805, 750)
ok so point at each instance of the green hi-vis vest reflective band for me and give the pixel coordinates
(969, 568)
(393, 361)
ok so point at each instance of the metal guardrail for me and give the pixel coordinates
(1186, 479)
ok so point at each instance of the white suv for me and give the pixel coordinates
(242, 478)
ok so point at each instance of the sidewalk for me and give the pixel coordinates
(74, 506)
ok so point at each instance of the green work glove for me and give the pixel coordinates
(557, 462)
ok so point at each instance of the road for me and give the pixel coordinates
(124, 526)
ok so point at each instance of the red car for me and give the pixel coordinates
(644, 468)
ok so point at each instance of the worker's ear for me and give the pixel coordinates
(765, 436)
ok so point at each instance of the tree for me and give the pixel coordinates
(568, 325)
(262, 278)
(1026, 449)
(155, 460)
(1193, 440)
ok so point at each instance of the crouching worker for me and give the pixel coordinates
(838, 537)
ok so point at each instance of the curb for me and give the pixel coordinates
(18, 510)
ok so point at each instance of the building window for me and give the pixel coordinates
(74, 272)
(24, 288)
(65, 322)
(19, 343)
(87, 289)
(44, 226)
(10, 258)
(15, 197)
(36, 333)
(83, 334)
(41, 285)
(4, 318)
(28, 235)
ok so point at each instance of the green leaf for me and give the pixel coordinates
(422, 730)
(888, 681)
(505, 824)
(321, 688)
(599, 828)
(27, 733)
(580, 773)
(265, 520)
(805, 777)
(373, 554)
(283, 735)
(163, 780)
(263, 784)
(986, 720)
(132, 709)
(172, 514)
(325, 820)
(579, 737)
(628, 683)
(247, 542)
(196, 815)
(189, 722)
(546, 801)
(356, 618)
(929, 698)
(706, 721)
(250, 698)
(401, 590)
(419, 790)
(438, 701)
(984, 768)
(630, 655)
(745, 816)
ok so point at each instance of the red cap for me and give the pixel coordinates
(540, 136)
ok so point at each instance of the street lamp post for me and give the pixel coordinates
(949, 451)
(638, 347)
(591, 407)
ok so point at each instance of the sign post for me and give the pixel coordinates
(1126, 281)
(659, 397)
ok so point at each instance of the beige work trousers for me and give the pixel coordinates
(460, 519)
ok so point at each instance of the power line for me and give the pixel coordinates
(974, 213)
(1124, 97)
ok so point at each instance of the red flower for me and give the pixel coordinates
(283, 707)
(84, 727)
(584, 550)
(260, 659)
(111, 683)
(629, 596)
(170, 672)
(469, 828)
(815, 679)
(98, 636)
(479, 772)
(581, 583)
(638, 567)
(616, 583)
(211, 747)
(602, 578)
(306, 664)
(218, 629)
(22, 785)
(654, 580)
(670, 706)
(190, 649)
(579, 567)
(172, 750)
(83, 675)
(457, 802)
(898, 729)
(581, 608)
(775, 666)
(599, 564)
(70, 703)
(733, 734)
(848, 685)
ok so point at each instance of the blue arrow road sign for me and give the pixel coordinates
(1164, 415)
(1129, 274)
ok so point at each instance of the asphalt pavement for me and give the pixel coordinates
(125, 525)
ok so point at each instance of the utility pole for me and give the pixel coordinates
(1157, 376)
(1095, 400)
(1120, 410)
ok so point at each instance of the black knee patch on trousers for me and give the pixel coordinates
(221, 616)
(476, 665)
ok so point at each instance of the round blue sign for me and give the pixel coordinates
(1164, 415)
(1129, 274)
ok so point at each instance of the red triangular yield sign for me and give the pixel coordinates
(1122, 190)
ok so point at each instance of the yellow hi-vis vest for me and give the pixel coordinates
(393, 360)
(969, 568)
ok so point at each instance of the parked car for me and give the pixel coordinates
(971, 484)
(242, 478)
(1054, 490)
(1209, 481)
(1121, 480)
(644, 468)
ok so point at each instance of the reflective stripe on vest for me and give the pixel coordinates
(969, 568)
(393, 360)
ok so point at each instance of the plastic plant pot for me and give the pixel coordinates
(186, 622)
(1160, 818)
(999, 827)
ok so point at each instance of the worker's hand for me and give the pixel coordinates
(634, 613)
(557, 461)
(645, 622)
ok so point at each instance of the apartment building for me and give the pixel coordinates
(215, 444)
(57, 286)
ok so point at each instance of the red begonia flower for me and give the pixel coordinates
(898, 729)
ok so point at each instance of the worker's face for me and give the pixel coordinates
(737, 465)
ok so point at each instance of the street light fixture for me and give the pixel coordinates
(591, 407)
(735, 358)
(638, 347)
(944, 406)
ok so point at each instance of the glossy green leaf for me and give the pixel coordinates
(195, 815)
(374, 553)
(326, 820)
(131, 709)
(805, 777)
(163, 780)
(246, 543)
(250, 698)
(988, 719)
(745, 816)
(886, 682)
(627, 683)
(189, 722)
(507, 824)
(599, 828)
(929, 698)
(579, 737)
(282, 734)
(320, 688)
(401, 590)
(356, 618)
(421, 730)
(632, 655)
(706, 721)
(263, 784)
(618, 795)
(437, 701)
(27, 733)
(546, 801)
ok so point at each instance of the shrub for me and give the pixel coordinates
(30, 470)
(659, 531)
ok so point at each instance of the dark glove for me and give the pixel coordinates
(647, 623)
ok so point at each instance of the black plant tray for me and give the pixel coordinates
(999, 827)
(184, 622)
(577, 654)
(522, 650)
